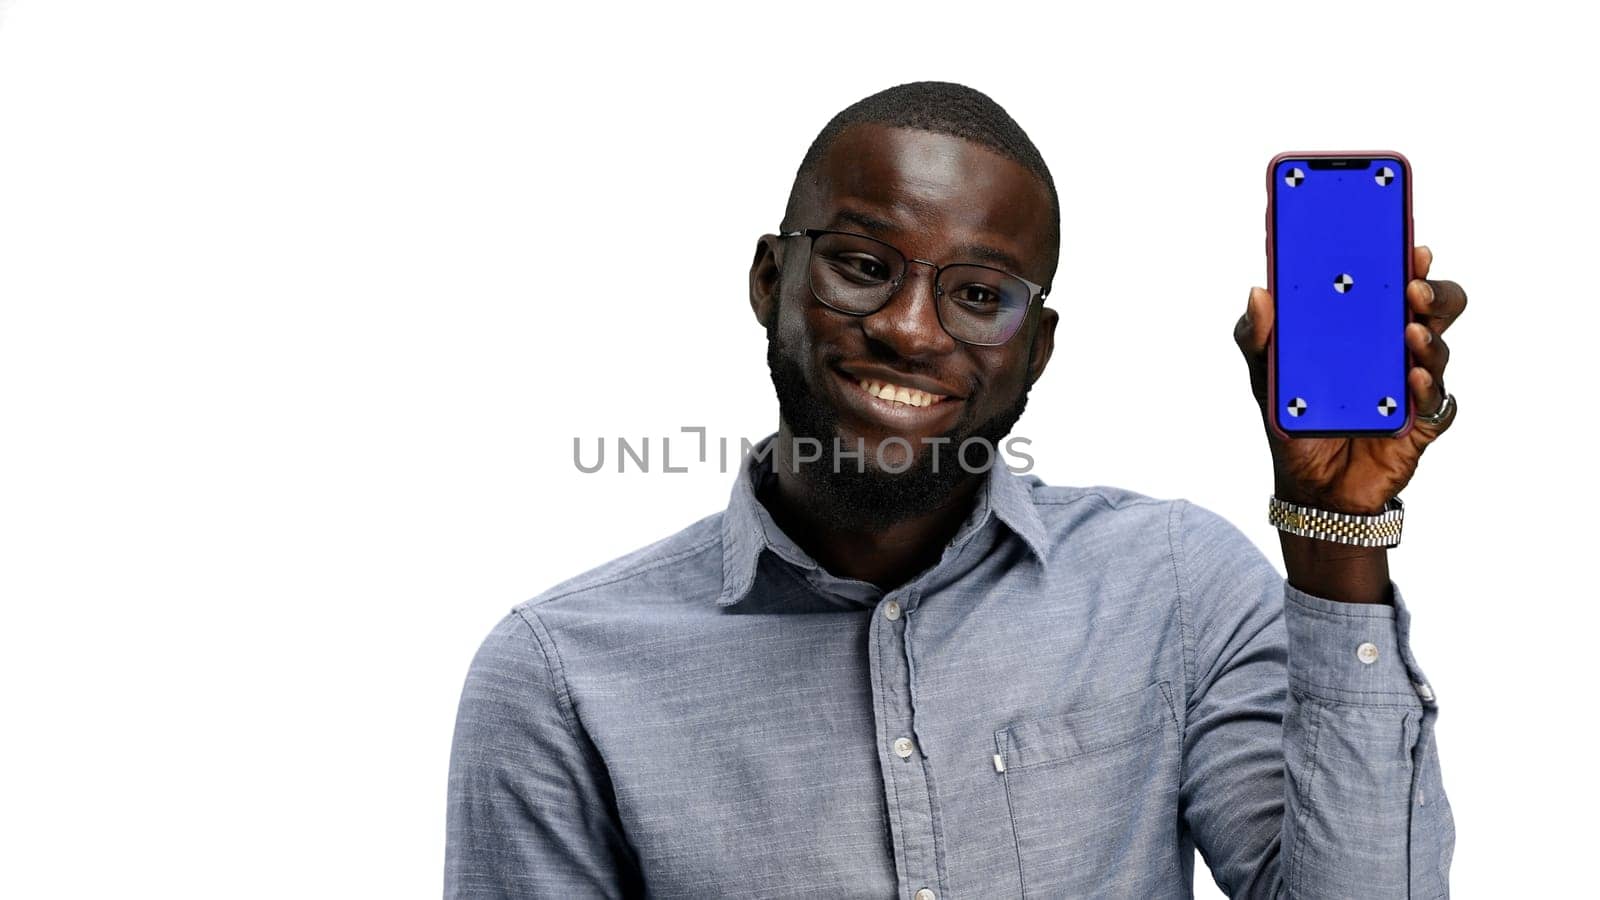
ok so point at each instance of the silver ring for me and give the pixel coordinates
(1444, 412)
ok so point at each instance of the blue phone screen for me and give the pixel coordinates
(1340, 274)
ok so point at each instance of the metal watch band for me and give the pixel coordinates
(1381, 530)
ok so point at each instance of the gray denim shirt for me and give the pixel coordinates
(1088, 686)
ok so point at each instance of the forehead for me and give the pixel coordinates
(934, 194)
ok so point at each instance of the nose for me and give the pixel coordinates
(909, 322)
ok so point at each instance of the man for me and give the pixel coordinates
(884, 673)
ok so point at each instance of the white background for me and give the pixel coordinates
(304, 303)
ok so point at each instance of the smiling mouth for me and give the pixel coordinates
(899, 394)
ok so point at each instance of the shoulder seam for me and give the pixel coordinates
(631, 573)
(552, 663)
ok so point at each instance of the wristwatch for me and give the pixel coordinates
(1381, 530)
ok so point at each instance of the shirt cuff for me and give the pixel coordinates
(1353, 652)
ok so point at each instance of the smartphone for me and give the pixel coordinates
(1338, 261)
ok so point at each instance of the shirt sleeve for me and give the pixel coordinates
(1310, 767)
(530, 809)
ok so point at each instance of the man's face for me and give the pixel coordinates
(935, 197)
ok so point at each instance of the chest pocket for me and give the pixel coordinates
(1093, 796)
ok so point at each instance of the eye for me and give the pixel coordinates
(977, 297)
(861, 266)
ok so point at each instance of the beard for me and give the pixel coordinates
(855, 496)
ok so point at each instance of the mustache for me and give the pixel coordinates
(971, 385)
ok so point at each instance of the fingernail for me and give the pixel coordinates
(1432, 299)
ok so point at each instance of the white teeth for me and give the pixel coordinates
(898, 394)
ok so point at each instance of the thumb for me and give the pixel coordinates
(1256, 324)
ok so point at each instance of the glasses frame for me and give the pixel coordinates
(1035, 291)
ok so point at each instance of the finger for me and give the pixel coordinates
(1428, 350)
(1437, 304)
(1427, 395)
(1253, 328)
(1421, 261)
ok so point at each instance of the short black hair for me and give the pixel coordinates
(943, 107)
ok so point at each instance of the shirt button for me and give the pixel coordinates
(902, 747)
(1425, 692)
(1367, 653)
(926, 894)
(891, 610)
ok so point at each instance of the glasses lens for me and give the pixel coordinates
(981, 305)
(852, 273)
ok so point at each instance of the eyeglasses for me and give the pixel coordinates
(856, 274)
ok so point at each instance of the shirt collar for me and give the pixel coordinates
(748, 529)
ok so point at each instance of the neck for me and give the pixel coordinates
(886, 556)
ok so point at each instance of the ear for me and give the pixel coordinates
(1044, 342)
(764, 272)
